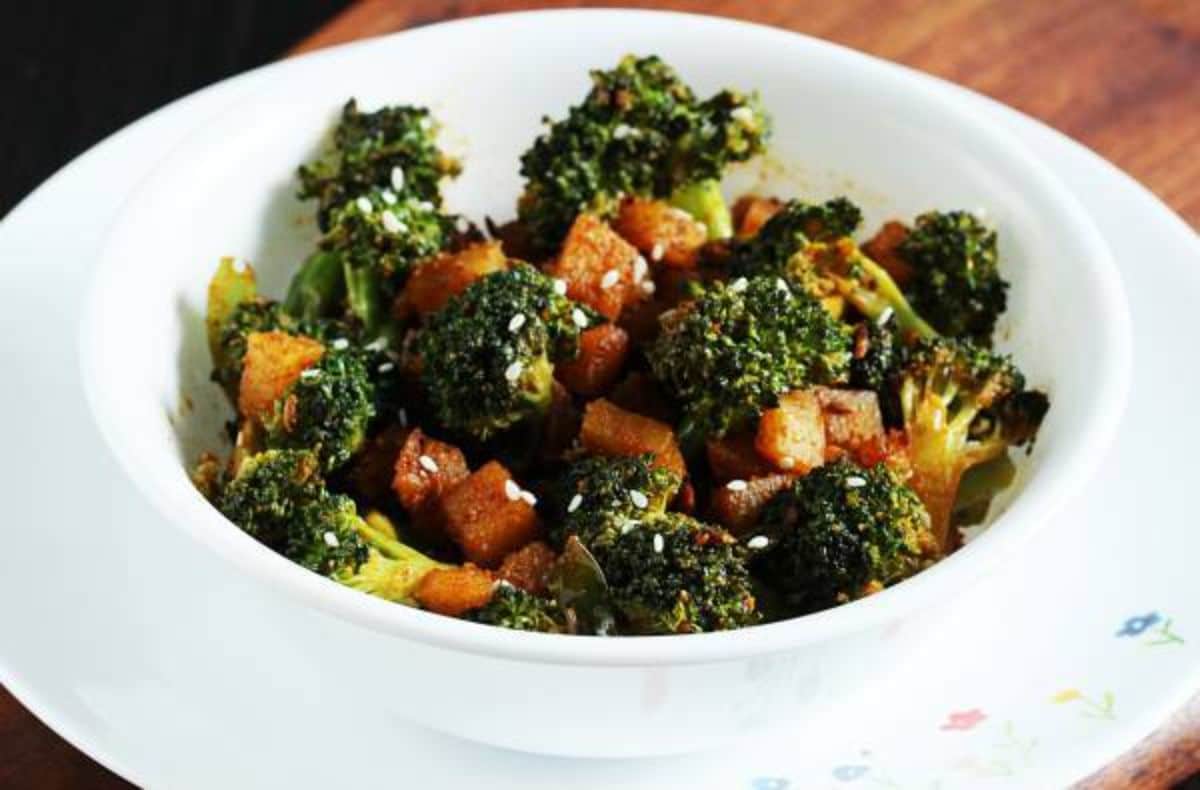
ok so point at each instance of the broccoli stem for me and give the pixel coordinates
(317, 287)
(882, 294)
(393, 569)
(704, 201)
(981, 483)
(364, 296)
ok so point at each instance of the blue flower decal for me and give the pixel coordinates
(1135, 626)
(848, 773)
(769, 783)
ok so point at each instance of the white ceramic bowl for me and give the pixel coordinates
(845, 123)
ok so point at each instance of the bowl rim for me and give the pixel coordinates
(1029, 512)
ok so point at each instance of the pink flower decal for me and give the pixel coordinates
(963, 719)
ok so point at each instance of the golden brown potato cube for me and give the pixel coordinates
(734, 457)
(488, 515)
(638, 393)
(425, 469)
(661, 232)
(529, 567)
(610, 430)
(598, 267)
(455, 591)
(853, 421)
(883, 248)
(374, 468)
(792, 436)
(738, 508)
(602, 352)
(273, 362)
(435, 281)
(751, 212)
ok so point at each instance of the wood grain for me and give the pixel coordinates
(1122, 76)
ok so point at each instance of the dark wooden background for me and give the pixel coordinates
(1122, 76)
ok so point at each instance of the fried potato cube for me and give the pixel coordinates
(529, 567)
(598, 267)
(273, 362)
(455, 591)
(602, 353)
(792, 435)
(610, 430)
(436, 281)
(424, 470)
(663, 233)
(488, 516)
(738, 508)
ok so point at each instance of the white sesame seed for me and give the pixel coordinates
(426, 123)
(331, 540)
(657, 251)
(512, 491)
(462, 224)
(391, 223)
(855, 482)
(782, 285)
(386, 367)
(516, 322)
(700, 226)
(757, 542)
(580, 318)
(629, 526)
(560, 287)
(378, 344)
(428, 464)
(239, 265)
(884, 317)
(658, 543)
(648, 287)
(364, 205)
(513, 371)
(640, 268)
(739, 285)
(340, 344)
(787, 462)
(575, 502)
(639, 499)
(503, 584)
(621, 131)
(425, 205)
(529, 498)
(310, 373)
(743, 115)
(402, 417)
(736, 485)
(398, 178)
(610, 278)
(389, 197)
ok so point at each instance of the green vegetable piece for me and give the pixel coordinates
(317, 288)
(596, 496)
(514, 608)
(704, 201)
(578, 585)
(841, 532)
(730, 353)
(231, 286)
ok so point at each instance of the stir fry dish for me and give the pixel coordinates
(633, 409)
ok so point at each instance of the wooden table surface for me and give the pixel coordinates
(1122, 76)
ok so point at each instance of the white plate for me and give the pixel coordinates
(160, 661)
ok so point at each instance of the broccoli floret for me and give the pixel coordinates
(601, 494)
(727, 355)
(327, 409)
(841, 532)
(514, 608)
(793, 227)
(639, 131)
(279, 498)
(962, 405)
(488, 355)
(671, 574)
(956, 284)
(393, 147)
(378, 238)
(257, 315)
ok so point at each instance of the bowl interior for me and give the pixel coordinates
(844, 124)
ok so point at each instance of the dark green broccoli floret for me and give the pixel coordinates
(514, 608)
(671, 574)
(327, 409)
(956, 284)
(258, 315)
(788, 231)
(279, 498)
(841, 532)
(727, 355)
(640, 130)
(600, 494)
(393, 147)
(377, 239)
(876, 361)
(962, 405)
(488, 355)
